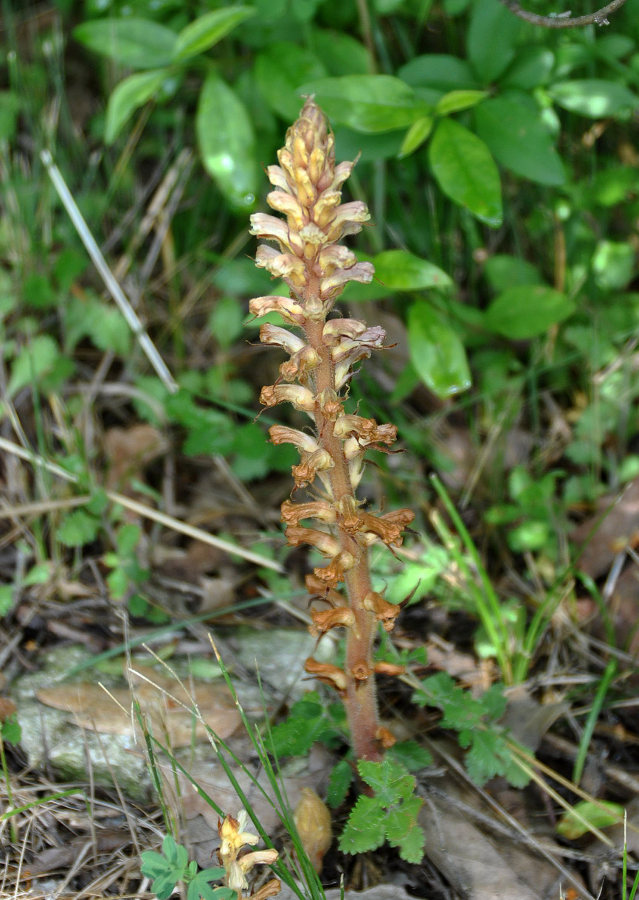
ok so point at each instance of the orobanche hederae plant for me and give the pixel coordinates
(323, 350)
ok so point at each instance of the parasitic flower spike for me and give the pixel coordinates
(305, 250)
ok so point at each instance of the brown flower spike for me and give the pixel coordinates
(315, 379)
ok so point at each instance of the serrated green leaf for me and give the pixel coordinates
(226, 141)
(368, 103)
(127, 96)
(411, 755)
(400, 270)
(389, 780)
(526, 311)
(139, 43)
(514, 131)
(411, 847)
(33, 362)
(586, 814)
(280, 69)
(78, 528)
(483, 760)
(594, 97)
(402, 829)
(455, 101)
(465, 171)
(364, 829)
(339, 782)
(205, 31)
(436, 351)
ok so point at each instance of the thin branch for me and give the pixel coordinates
(565, 20)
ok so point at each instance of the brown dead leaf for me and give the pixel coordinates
(165, 705)
(614, 526)
(129, 450)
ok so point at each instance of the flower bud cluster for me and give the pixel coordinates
(315, 378)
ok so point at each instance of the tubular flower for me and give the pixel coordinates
(305, 250)
(236, 863)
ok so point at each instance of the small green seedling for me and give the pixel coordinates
(173, 865)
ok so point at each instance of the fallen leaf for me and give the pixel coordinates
(614, 527)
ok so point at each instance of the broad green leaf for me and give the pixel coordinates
(438, 70)
(504, 271)
(594, 97)
(512, 128)
(207, 30)
(368, 103)
(587, 814)
(436, 351)
(339, 52)
(465, 171)
(613, 264)
(532, 66)
(491, 42)
(139, 43)
(34, 361)
(226, 141)
(526, 311)
(400, 270)
(455, 101)
(280, 69)
(127, 96)
(418, 132)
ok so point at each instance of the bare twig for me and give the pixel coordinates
(565, 19)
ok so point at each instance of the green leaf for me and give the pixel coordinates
(594, 97)
(368, 103)
(205, 31)
(418, 132)
(11, 730)
(512, 127)
(525, 311)
(465, 171)
(504, 271)
(127, 96)
(33, 362)
(411, 755)
(339, 52)
(411, 847)
(613, 264)
(389, 780)
(492, 39)
(438, 70)
(400, 270)
(153, 864)
(6, 598)
(226, 141)
(364, 829)
(339, 782)
(139, 43)
(532, 66)
(436, 351)
(455, 101)
(78, 528)
(38, 291)
(280, 69)
(587, 814)
(9, 108)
